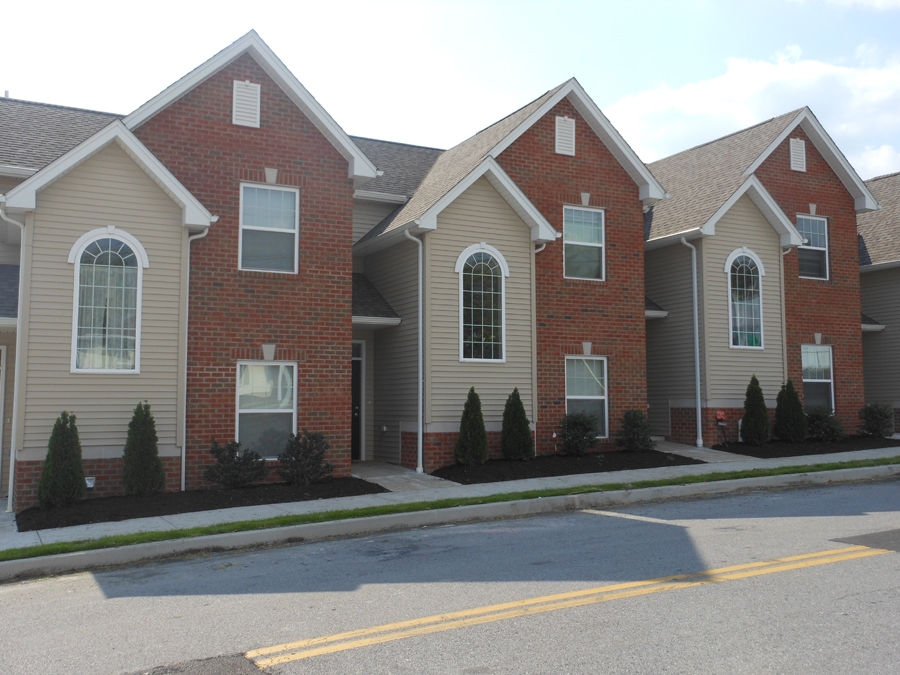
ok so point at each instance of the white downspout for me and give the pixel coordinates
(419, 425)
(18, 366)
(696, 341)
(784, 354)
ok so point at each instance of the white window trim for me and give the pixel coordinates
(591, 398)
(237, 397)
(460, 264)
(109, 232)
(803, 380)
(579, 243)
(736, 253)
(362, 396)
(817, 248)
(242, 227)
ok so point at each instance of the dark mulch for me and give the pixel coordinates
(496, 470)
(808, 447)
(109, 509)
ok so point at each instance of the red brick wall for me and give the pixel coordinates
(813, 306)
(684, 425)
(232, 313)
(437, 449)
(609, 313)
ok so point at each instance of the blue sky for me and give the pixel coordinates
(669, 75)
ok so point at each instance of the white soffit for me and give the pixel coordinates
(361, 167)
(23, 197)
(761, 198)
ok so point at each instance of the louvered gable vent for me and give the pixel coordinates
(565, 136)
(245, 105)
(798, 154)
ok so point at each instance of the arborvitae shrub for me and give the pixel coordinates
(234, 468)
(824, 426)
(790, 421)
(472, 442)
(303, 459)
(755, 422)
(877, 420)
(62, 479)
(634, 434)
(516, 440)
(578, 432)
(143, 472)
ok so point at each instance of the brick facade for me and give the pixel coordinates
(683, 425)
(437, 449)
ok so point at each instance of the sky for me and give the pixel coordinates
(668, 75)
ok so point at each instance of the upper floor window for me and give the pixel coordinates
(481, 271)
(813, 253)
(744, 271)
(108, 274)
(270, 228)
(583, 243)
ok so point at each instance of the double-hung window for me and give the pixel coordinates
(818, 378)
(266, 406)
(583, 243)
(270, 227)
(813, 253)
(586, 388)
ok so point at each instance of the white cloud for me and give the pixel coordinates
(857, 105)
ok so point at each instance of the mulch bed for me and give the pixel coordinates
(496, 470)
(111, 509)
(808, 447)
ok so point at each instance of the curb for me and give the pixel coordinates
(86, 560)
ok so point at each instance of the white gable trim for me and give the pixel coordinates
(361, 167)
(23, 197)
(754, 189)
(864, 200)
(541, 230)
(650, 189)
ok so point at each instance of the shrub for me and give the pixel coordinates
(303, 459)
(62, 479)
(143, 472)
(234, 468)
(472, 442)
(824, 426)
(877, 420)
(634, 434)
(515, 437)
(755, 422)
(790, 422)
(578, 432)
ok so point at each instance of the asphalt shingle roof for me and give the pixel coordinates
(651, 306)
(879, 231)
(367, 301)
(404, 165)
(9, 291)
(868, 320)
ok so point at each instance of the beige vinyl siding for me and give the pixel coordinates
(670, 341)
(730, 368)
(367, 215)
(369, 392)
(880, 292)
(107, 189)
(480, 214)
(7, 382)
(394, 272)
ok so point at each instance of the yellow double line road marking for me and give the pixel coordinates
(304, 649)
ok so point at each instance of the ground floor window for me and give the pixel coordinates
(266, 406)
(586, 388)
(818, 378)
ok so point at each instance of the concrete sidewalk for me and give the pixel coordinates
(408, 487)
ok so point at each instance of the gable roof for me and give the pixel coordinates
(361, 167)
(403, 166)
(879, 231)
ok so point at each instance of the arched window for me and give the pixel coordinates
(745, 271)
(108, 273)
(481, 269)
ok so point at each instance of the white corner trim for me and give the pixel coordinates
(114, 233)
(743, 250)
(761, 198)
(372, 196)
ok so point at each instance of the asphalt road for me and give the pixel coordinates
(792, 581)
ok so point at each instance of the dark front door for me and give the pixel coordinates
(356, 422)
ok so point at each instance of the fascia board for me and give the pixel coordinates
(24, 196)
(877, 267)
(766, 205)
(872, 327)
(376, 321)
(382, 197)
(672, 239)
(655, 314)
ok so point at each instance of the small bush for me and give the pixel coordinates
(472, 442)
(303, 459)
(790, 422)
(143, 471)
(515, 437)
(234, 468)
(578, 432)
(634, 434)
(877, 420)
(824, 426)
(62, 479)
(755, 422)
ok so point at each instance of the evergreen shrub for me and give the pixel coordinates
(790, 421)
(515, 438)
(303, 459)
(143, 472)
(824, 426)
(877, 420)
(634, 434)
(62, 479)
(578, 432)
(755, 422)
(472, 442)
(234, 468)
